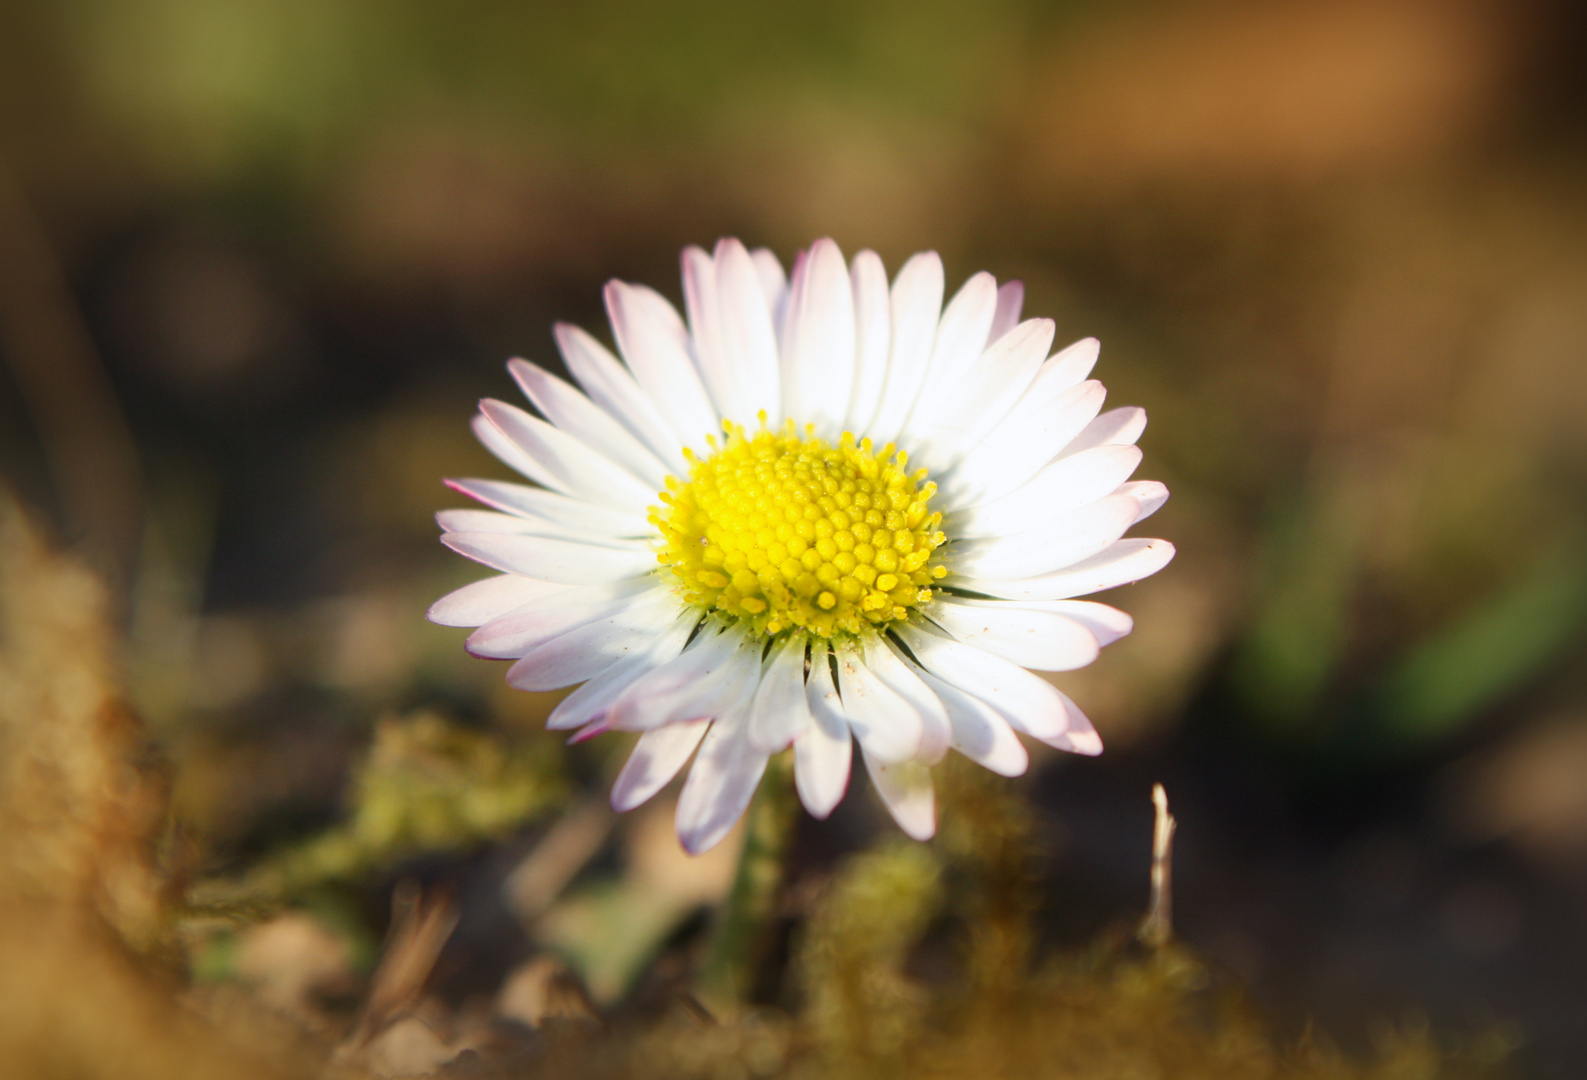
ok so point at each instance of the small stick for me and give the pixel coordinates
(1158, 926)
(420, 925)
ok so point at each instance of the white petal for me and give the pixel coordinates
(823, 755)
(873, 324)
(1010, 301)
(773, 284)
(567, 562)
(780, 712)
(586, 651)
(1122, 562)
(818, 342)
(720, 785)
(484, 521)
(515, 633)
(905, 788)
(591, 701)
(573, 517)
(656, 759)
(704, 310)
(611, 386)
(1072, 364)
(916, 303)
(508, 452)
(1116, 427)
(961, 338)
(901, 679)
(588, 732)
(979, 733)
(1071, 538)
(568, 465)
(714, 675)
(887, 725)
(654, 341)
(1060, 487)
(1107, 624)
(1028, 702)
(1080, 737)
(1040, 424)
(1029, 637)
(587, 422)
(479, 603)
(748, 336)
(1149, 494)
(964, 415)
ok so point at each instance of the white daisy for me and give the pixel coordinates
(821, 510)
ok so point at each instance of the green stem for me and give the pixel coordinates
(738, 940)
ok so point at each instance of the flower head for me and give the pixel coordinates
(823, 510)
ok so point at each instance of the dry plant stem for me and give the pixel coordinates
(420, 926)
(87, 443)
(738, 939)
(1158, 926)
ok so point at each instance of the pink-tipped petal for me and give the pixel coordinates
(1029, 637)
(567, 562)
(979, 733)
(1116, 427)
(721, 782)
(818, 342)
(886, 725)
(717, 673)
(1010, 302)
(587, 422)
(1120, 563)
(482, 601)
(873, 332)
(568, 465)
(612, 387)
(780, 713)
(906, 791)
(748, 336)
(1072, 538)
(823, 754)
(654, 341)
(1028, 702)
(916, 302)
(655, 760)
(960, 340)
(1041, 423)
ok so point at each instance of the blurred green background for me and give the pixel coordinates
(258, 258)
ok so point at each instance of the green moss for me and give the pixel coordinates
(425, 785)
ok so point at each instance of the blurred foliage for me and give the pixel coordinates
(86, 902)
(82, 886)
(1336, 249)
(425, 786)
(851, 958)
(1467, 667)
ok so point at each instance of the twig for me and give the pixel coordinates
(87, 444)
(738, 940)
(564, 850)
(420, 925)
(1158, 926)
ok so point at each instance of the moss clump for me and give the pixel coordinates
(425, 785)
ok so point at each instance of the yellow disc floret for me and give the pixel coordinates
(779, 531)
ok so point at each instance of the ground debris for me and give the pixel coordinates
(93, 982)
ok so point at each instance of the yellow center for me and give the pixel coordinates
(778, 531)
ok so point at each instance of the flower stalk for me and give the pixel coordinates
(739, 938)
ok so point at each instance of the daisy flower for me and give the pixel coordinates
(820, 510)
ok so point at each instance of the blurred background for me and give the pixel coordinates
(259, 259)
